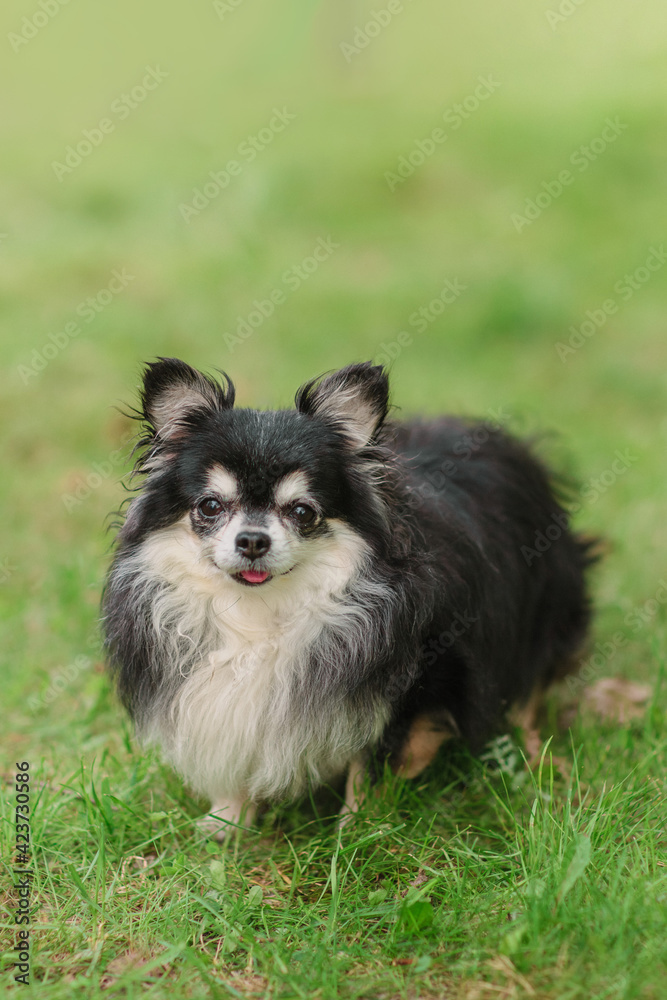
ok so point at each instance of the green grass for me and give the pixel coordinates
(478, 881)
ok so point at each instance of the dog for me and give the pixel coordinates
(298, 595)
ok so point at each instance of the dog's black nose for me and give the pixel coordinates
(253, 544)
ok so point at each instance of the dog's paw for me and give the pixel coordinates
(346, 817)
(214, 827)
(226, 816)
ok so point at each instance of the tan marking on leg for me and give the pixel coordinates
(353, 796)
(426, 736)
(225, 812)
(524, 717)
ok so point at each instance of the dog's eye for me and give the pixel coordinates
(209, 507)
(303, 515)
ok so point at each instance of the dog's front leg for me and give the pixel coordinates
(225, 815)
(353, 790)
(426, 735)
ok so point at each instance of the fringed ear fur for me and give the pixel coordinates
(355, 400)
(173, 390)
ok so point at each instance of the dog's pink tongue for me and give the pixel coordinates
(254, 576)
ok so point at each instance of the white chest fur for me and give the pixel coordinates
(233, 727)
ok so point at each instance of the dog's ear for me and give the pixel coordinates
(355, 400)
(173, 391)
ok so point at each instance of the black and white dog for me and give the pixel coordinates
(299, 593)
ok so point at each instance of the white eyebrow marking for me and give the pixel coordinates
(223, 482)
(293, 486)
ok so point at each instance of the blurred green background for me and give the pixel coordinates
(366, 97)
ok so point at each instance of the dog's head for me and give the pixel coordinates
(259, 493)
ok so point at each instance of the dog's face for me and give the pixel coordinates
(255, 523)
(259, 493)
